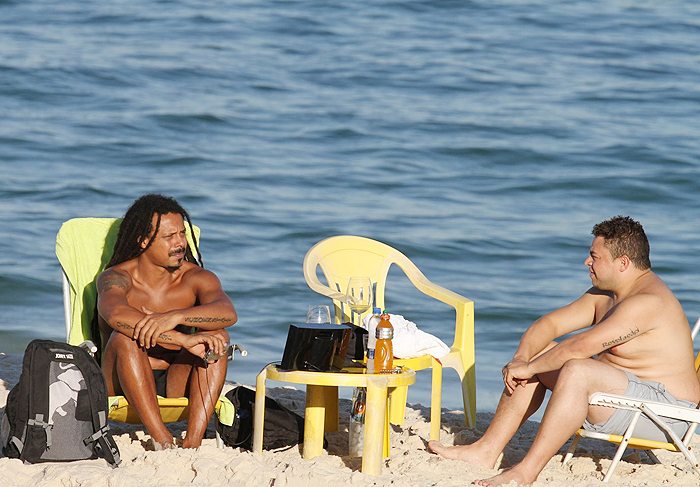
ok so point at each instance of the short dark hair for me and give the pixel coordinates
(136, 226)
(625, 236)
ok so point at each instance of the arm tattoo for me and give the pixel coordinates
(621, 338)
(124, 325)
(202, 319)
(110, 280)
(163, 336)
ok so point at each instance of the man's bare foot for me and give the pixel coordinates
(187, 443)
(467, 453)
(165, 445)
(506, 478)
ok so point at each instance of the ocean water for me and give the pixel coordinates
(483, 139)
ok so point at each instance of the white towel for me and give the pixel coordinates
(409, 341)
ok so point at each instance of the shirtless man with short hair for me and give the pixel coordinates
(637, 333)
(152, 290)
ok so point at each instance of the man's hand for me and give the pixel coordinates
(150, 327)
(199, 343)
(516, 373)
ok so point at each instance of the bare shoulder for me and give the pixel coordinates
(596, 295)
(644, 303)
(653, 291)
(115, 277)
(653, 284)
(600, 300)
(654, 302)
(196, 276)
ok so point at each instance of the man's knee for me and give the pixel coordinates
(224, 334)
(575, 369)
(591, 375)
(121, 343)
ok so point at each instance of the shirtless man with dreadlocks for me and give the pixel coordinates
(152, 290)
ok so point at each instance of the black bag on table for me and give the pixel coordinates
(58, 409)
(283, 428)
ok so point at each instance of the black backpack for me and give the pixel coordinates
(58, 410)
(283, 428)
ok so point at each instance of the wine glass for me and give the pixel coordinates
(318, 314)
(359, 294)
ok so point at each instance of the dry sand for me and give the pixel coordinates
(410, 464)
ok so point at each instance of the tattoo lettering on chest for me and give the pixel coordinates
(621, 338)
(202, 319)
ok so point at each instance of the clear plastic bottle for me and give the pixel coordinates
(356, 431)
(384, 350)
(372, 339)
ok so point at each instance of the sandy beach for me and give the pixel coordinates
(410, 463)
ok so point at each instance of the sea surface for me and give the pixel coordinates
(483, 139)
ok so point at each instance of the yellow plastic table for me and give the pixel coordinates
(322, 407)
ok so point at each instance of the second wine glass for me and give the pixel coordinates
(359, 294)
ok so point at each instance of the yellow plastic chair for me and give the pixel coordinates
(345, 256)
(654, 411)
(84, 247)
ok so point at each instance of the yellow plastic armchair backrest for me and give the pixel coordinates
(345, 256)
(84, 247)
(341, 258)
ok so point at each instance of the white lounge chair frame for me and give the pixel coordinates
(655, 411)
(66, 303)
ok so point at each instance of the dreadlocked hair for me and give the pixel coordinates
(137, 226)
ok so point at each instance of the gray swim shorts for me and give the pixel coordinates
(654, 391)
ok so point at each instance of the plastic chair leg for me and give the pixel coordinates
(330, 395)
(385, 446)
(397, 404)
(314, 421)
(468, 381)
(436, 401)
(259, 420)
(376, 428)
